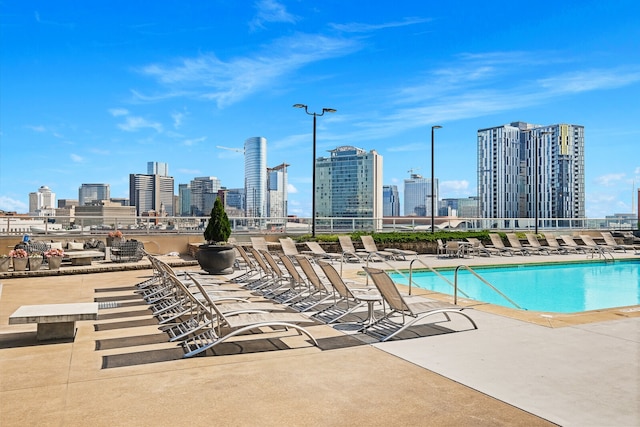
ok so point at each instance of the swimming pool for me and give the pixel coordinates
(559, 288)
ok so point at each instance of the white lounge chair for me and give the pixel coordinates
(535, 243)
(349, 252)
(514, 241)
(317, 252)
(498, 244)
(370, 247)
(610, 241)
(401, 314)
(345, 300)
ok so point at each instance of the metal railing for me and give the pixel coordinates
(86, 225)
(483, 280)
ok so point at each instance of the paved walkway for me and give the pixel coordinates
(510, 371)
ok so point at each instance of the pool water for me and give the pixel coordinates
(565, 288)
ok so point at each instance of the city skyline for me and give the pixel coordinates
(92, 92)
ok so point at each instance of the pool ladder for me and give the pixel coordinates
(455, 281)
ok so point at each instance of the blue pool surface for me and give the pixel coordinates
(565, 288)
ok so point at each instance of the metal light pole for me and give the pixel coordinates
(433, 184)
(313, 189)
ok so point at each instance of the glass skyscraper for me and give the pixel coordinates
(255, 176)
(89, 193)
(527, 170)
(417, 196)
(391, 200)
(349, 185)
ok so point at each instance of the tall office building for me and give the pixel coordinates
(528, 171)
(204, 191)
(255, 176)
(184, 200)
(235, 201)
(349, 185)
(277, 192)
(417, 196)
(151, 193)
(42, 202)
(91, 193)
(390, 200)
(157, 168)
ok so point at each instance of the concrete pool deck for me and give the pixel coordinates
(511, 371)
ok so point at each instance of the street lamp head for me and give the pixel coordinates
(329, 110)
(299, 106)
(436, 127)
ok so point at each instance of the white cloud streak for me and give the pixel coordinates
(270, 11)
(117, 112)
(227, 82)
(357, 27)
(134, 124)
(12, 205)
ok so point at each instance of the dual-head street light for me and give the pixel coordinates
(313, 190)
(433, 185)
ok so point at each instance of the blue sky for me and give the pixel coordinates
(92, 91)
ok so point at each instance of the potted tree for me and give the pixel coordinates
(216, 256)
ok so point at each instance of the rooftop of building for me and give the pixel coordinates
(514, 370)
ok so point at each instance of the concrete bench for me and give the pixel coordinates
(82, 257)
(55, 321)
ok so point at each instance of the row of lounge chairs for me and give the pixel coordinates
(329, 298)
(567, 245)
(199, 312)
(349, 253)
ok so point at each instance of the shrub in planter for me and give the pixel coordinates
(216, 256)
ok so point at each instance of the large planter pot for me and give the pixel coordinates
(20, 264)
(54, 262)
(216, 259)
(35, 263)
(4, 264)
(114, 241)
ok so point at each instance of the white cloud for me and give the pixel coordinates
(609, 179)
(11, 205)
(584, 81)
(270, 11)
(227, 82)
(194, 141)
(38, 128)
(134, 124)
(177, 119)
(291, 189)
(356, 27)
(458, 188)
(76, 159)
(117, 112)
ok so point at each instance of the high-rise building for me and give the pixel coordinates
(349, 185)
(65, 203)
(204, 191)
(527, 171)
(255, 176)
(92, 193)
(417, 196)
(151, 193)
(157, 168)
(390, 200)
(184, 200)
(277, 192)
(235, 201)
(42, 202)
(463, 208)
